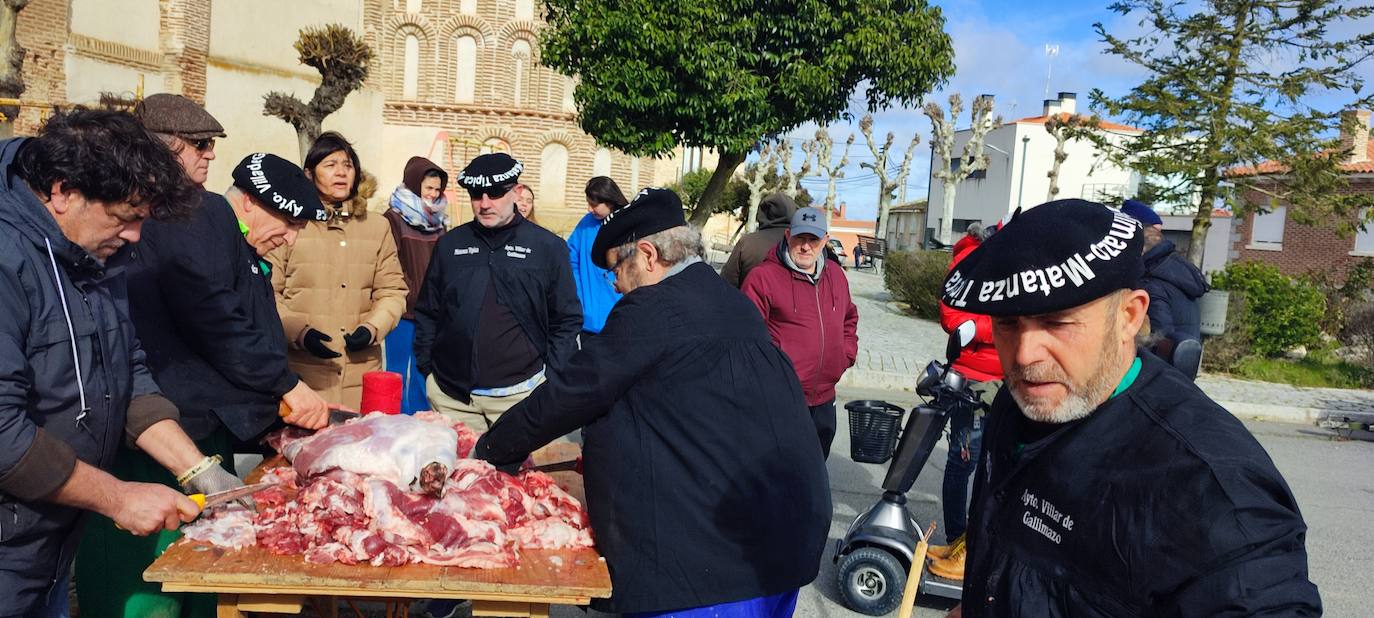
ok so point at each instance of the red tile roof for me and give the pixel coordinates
(1105, 124)
(1274, 167)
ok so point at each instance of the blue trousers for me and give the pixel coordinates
(400, 358)
(779, 605)
(965, 440)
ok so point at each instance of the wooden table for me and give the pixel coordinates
(253, 579)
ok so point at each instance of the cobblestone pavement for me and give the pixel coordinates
(894, 346)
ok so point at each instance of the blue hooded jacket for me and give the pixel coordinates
(595, 290)
(69, 366)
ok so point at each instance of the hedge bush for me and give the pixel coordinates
(916, 278)
(1281, 312)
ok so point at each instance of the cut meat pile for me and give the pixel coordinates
(392, 490)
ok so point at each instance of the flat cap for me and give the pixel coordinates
(650, 212)
(177, 115)
(490, 170)
(278, 184)
(1055, 256)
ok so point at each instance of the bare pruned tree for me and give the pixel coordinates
(825, 148)
(791, 181)
(1065, 127)
(11, 62)
(888, 179)
(972, 160)
(342, 58)
(756, 180)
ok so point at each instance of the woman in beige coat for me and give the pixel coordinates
(339, 289)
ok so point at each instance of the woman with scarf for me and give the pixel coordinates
(340, 290)
(418, 216)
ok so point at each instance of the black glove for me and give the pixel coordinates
(361, 338)
(482, 450)
(314, 343)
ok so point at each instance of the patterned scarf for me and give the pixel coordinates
(417, 213)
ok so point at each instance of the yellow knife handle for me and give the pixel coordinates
(199, 499)
(283, 410)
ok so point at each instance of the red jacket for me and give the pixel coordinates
(979, 360)
(815, 324)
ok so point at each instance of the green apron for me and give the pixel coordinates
(110, 562)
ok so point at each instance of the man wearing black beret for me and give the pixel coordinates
(1109, 485)
(498, 309)
(705, 482)
(201, 298)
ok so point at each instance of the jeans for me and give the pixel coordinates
(965, 440)
(400, 358)
(824, 417)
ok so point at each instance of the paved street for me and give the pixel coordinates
(893, 346)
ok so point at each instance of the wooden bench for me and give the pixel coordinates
(873, 249)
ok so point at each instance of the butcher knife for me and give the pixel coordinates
(572, 464)
(205, 501)
(337, 416)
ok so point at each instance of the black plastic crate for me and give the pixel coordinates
(874, 427)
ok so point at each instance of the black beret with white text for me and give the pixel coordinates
(1052, 257)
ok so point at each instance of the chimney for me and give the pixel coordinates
(1068, 102)
(1355, 134)
(1051, 107)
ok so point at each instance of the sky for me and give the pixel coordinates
(999, 50)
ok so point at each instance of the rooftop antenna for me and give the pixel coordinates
(1051, 51)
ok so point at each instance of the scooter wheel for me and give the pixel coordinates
(872, 581)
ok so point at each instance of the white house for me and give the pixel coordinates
(1020, 154)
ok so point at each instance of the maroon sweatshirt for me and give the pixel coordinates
(815, 324)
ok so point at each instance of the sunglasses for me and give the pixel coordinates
(202, 145)
(496, 192)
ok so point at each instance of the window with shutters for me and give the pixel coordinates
(1364, 239)
(1266, 232)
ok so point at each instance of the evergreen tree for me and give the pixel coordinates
(1230, 83)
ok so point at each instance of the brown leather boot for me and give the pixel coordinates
(951, 567)
(941, 552)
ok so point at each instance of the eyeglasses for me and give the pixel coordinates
(202, 145)
(496, 192)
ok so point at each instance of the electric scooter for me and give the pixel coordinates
(875, 554)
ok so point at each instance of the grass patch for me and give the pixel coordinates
(1316, 370)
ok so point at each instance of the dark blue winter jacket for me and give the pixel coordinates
(1174, 285)
(69, 366)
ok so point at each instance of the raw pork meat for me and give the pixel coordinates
(408, 451)
(230, 527)
(349, 498)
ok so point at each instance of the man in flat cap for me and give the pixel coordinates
(1109, 485)
(185, 127)
(201, 299)
(498, 310)
(705, 482)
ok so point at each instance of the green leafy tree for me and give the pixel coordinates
(342, 58)
(1229, 83)
(726, 74)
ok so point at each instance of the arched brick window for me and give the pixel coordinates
(466, 70)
